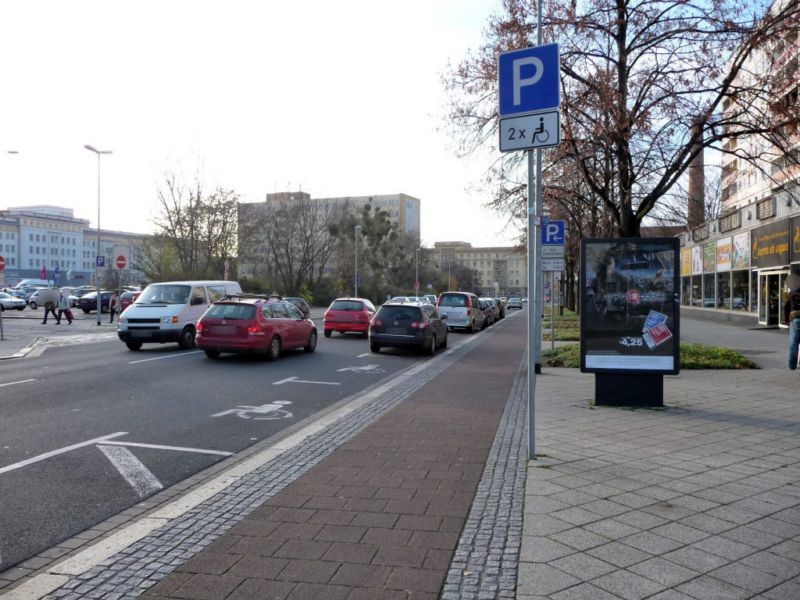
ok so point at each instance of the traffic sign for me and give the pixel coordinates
(553, 264)
(552, 251)
(121, 254)
(553, 233)
(2, 262)
(121, 262)
(529, 80)
(540, 130)
(101, 261)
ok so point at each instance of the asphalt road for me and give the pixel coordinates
(90, 429)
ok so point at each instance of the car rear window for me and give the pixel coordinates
(347, 305)
(399, 313)
(232, 311)
(453, 300)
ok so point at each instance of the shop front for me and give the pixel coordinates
(771, 255)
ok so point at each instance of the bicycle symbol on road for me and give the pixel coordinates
(271, 411)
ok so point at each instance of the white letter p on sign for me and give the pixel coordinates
(519, 82)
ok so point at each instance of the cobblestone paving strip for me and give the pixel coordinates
(131, 572)
(486, 560)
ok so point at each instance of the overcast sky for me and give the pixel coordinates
(338, 99)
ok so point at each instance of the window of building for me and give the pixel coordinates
(765, 209)
(686, 291)
(723, 290)
(697, 290)
(709, 290)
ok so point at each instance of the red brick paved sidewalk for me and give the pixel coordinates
(381, 516)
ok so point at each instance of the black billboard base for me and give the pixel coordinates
(628, 389)
(537, 368)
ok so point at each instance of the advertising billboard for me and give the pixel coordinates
(724, 254)
(741, 250)
(629, 305)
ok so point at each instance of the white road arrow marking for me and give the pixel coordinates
(36, 459)
(296, 380)
(176, 448)
(131, 468)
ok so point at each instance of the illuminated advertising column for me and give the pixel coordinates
(630, 317)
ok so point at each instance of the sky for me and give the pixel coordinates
(336, 99)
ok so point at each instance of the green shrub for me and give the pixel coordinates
(693, 356)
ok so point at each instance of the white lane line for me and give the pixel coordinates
(177, 448)
(365, 354)
(36, 459)
(296, 380)
(16, 382)
(131, 468)
(136, 362)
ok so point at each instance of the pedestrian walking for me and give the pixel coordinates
(791, 315)
(50, 308)
(113, 306)
(63, 309)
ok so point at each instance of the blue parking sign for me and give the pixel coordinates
(553, 233)
(529, 80)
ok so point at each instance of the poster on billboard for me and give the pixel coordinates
(686, 262)
(709, 257)
(741, 250)
(724, 254)
(697, 260)
(629, 305)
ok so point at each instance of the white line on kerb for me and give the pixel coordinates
(36, 459)
(16, 382)
(177, 448)
(131, 468)
(136, 362)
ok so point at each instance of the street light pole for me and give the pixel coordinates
(416, 272)
(91, 148)
(356, 229)
(449, 269)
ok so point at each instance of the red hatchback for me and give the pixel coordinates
(250, 324)
(348, 315)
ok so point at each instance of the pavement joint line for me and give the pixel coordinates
(79, 565)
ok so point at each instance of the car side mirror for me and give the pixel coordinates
(444, 317)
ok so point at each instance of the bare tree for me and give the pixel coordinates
(636, 76)
(199, 228)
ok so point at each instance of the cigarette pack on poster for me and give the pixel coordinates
(654, 318)
(657, 335)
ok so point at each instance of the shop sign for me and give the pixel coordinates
(709, 257)
(724, 254)
(795, 239)
(770, 245)
(741, 250)
(629, 306)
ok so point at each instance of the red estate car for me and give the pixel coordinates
(348, 315)
(251, 324)
(126, 299)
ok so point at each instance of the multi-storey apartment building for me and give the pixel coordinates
(402, 209)
(499, 269)
(737, 265)
(49, 239)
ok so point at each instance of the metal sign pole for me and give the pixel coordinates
(533, 234)
(552, 310)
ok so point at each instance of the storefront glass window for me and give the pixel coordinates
(753, 291)
(739, 290)
(697, 290)
(723, 290)
(709, 281)
(686, 288)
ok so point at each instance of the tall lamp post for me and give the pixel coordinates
(449, 269)
(416, 272)
(356, 230)
(91, 148)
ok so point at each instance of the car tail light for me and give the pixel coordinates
(377, 323)
(199, 327)
(469, 312)
(419, 325)
(253, 330)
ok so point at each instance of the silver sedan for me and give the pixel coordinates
(9, 302)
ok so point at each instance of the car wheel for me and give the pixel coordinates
(374, 348)
(212, 353)
(312, 342)
(472, 327)
(186, 340)
(274, 349)
(432, 347)
(134, 346)
(86, 311)
(33, 305)
(328, 333)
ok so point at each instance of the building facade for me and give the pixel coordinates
(501, 270)
(736, 266)
(49, 240)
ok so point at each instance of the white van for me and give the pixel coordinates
(169, 311)
(35, 282)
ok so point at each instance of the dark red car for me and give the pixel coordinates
(126, 299)
(252, 324)
(347, 315)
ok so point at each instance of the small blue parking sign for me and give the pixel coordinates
(101, 261)
(529, 80)
(553, 233)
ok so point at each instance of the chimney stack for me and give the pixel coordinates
(697, 181)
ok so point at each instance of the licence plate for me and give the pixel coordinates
(139, 334)
(224, 329)
(397, 330)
